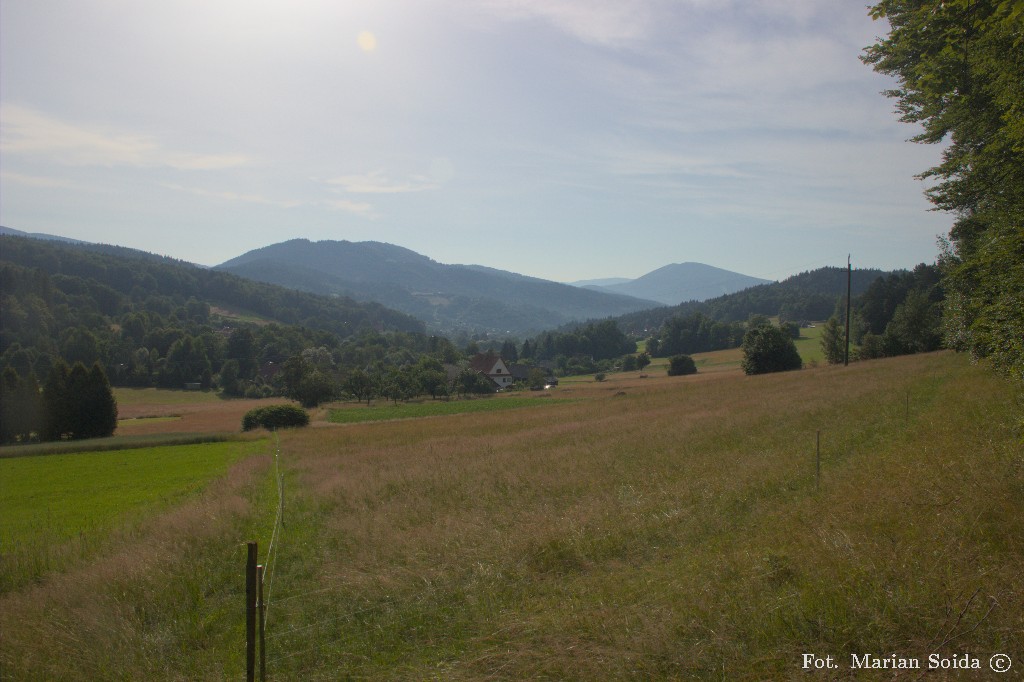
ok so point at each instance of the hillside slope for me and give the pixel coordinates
(89, 302)
(656, 529)
(809, 295)
(679, 282)
(446, 297)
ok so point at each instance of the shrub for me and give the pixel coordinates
(833, 341)
(767, 348)
(680, 365)
(275, 417)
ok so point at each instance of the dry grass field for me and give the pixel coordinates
(654, 528)
(145, 411)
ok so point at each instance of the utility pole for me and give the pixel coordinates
(849, 278)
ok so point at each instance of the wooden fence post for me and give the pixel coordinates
(250, 614)
(262, 607)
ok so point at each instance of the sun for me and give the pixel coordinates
(367, 41)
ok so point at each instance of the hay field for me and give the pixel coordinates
(145, 411)
(657, 528)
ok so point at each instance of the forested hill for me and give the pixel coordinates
(449, 298)
(135, 311)
(809, 295)
(114, 279)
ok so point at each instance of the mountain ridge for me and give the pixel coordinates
(448, 297)
(676, 283)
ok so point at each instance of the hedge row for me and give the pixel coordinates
(275, 417)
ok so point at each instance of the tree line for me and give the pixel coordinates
(808, 295)
(960, 72)
(73, 404)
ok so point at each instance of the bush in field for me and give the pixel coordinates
(766, 348)
(680, 365)
(275, 417)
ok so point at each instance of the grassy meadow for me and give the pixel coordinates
(648, 528)
(64, 507)
(351, 414)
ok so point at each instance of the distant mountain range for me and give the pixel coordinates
(811, 295)
(475, 298)
(38, 235)
(447, 297)
(677, 283)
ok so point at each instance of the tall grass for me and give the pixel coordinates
(668, 530)
(383, 412)
(63, 508)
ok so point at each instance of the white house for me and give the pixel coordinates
(493, 367)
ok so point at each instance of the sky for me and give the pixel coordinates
(563, 139)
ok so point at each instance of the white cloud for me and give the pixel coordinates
(232, 196)
(27, 132)
(377, 182)
(639, 162)
(37, 180)
(357, 207)
(610, 23)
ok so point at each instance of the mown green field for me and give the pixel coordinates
(662, 528)
(809, 345)
(360, 413)
(49, 501)
(141, 397)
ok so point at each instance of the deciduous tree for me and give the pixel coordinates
(766, 348)
(960, 68)
(833, 342)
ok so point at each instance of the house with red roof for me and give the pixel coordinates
(493, 367)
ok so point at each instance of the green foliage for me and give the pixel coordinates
(595, 341)
(241, 348)
(806, 296)
(696, 333)
(915, 326)
(877, 305)
(872, 347)
(307, 382)
(833, 342)
(361, 386)
(74, 404)
(98, 409)
(432, 380)
(681, 365)
(275, 417)
(960, 67)
(52, 500)
(766, 348)
(148, 319)
(536, 378)
(399, 383)
(21, 408)
(470, 381)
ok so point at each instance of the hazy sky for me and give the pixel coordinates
(565, 139)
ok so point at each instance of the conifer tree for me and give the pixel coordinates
(98, 406)
(56, 403)
(78, 411)
(9, 385)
